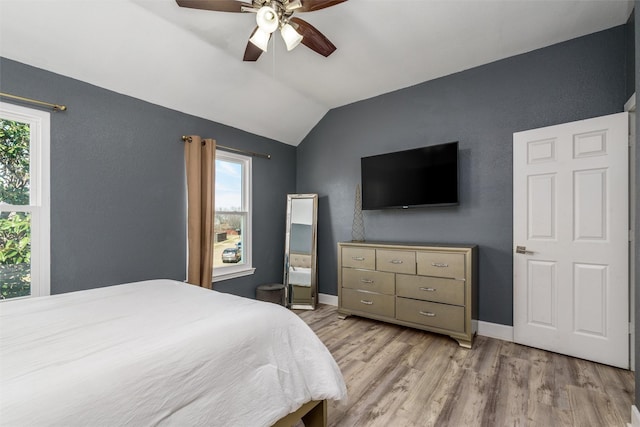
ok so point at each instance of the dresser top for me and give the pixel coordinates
(373, 243)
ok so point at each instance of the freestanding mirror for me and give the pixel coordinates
(300, 251)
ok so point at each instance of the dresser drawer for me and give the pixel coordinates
(449, 291)
(359, 258)
(378, 304)
(368, 280)
(440, 264)
(396, 261)
(433, 314)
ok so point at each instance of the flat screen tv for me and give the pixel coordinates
(426, 176)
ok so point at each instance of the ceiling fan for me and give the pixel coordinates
(270, 16)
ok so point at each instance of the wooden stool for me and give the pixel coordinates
(272, 292)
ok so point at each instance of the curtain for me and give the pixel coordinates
(199, 155)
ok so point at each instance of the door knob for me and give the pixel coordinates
(523, 250)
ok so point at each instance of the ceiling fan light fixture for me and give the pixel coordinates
(260, 39)
(290, 36)
(272, 15)
(293, 5)
(267, 19)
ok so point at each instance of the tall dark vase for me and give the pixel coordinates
(357, 229)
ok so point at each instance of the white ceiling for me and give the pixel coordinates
(191, 60)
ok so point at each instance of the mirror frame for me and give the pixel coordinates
(314, 243)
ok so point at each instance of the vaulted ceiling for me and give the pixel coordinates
(191, 60)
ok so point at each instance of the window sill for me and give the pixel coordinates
(247, 271)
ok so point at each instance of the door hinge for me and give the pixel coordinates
(631, 235)
(631, 329)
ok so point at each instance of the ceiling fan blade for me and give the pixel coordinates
(312, 38)
(252, 52)
(311, 5)
(217, 5)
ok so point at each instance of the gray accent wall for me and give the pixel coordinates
(636, 242)
(118, 189)
(300, 239)
(481, 108)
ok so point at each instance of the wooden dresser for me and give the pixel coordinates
(430, 287)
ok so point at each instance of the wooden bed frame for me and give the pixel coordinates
(313, 414)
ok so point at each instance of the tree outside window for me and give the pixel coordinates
(24, 202)
(15, 226)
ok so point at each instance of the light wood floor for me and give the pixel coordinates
(402, 377)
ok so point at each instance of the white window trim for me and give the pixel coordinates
(246, 268)
(40, 141)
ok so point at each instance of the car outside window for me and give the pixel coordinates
(232, 221)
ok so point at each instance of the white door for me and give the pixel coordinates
(570, 220)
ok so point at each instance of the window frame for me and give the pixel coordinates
(39, 197)
(246, 268)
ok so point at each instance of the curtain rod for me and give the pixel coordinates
(56, 107)
(237, 150)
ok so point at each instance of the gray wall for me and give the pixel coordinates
(300, 238)
(118, 188)
(481, 108)
(637, 207)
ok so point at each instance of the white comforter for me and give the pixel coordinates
(157, 352)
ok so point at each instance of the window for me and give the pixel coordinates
(232, 222)
(24, 202)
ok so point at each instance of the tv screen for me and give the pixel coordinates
(418, 177)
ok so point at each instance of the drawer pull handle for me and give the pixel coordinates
(427, 313)
(439, 264)
(428, 289)
(366, 281)
(357, 258)
(396, 261)
(366, 302)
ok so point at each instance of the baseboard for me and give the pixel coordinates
(635, 417)
(328, 299)
(495, 330)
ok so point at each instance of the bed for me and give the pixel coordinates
(300, 281)
(300, 278)
(159, 352)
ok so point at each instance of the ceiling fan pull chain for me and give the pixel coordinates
(273, 55)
